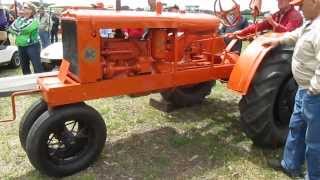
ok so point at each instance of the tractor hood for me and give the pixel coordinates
(129, 19)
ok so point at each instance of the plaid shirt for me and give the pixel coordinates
(288, 21)
(306, 56)
(26, 31)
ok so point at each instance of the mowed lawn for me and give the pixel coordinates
(201, 142)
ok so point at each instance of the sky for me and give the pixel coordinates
(267, 5)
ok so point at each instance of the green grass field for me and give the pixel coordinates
(201, 142)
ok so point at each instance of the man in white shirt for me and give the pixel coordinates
(44, 27)
(303, 141)
(152, 5)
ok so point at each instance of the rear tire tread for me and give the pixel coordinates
(257, 108)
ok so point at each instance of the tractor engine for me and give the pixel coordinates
(171, 43)
(131, 57)
(176, 50)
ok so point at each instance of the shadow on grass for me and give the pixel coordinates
(219, 111)
(167, 153)
(214, 142)
(7, 71)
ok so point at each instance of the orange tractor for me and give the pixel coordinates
(181, 56)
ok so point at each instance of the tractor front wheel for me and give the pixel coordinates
(267, 107)
(66, 140)
(28, 119)
(188, 95)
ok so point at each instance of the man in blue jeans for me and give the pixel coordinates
(303, 141)
(44, 27)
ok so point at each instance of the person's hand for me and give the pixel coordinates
(233, 35)
(270, 20)
(126, 35)
(230, 35)
(312, 92)
(271, 42)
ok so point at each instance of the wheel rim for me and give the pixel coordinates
(285, 103)
(68, 141)
(17, 60)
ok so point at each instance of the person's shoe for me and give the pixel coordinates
(276, 165)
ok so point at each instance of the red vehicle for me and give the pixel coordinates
(181, 57)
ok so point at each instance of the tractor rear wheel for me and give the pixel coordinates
(188, 95)
(28, 119)
(66, 140)
(267, 107)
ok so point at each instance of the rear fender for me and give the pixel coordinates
(247, 65)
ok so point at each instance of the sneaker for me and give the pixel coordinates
(276, 165)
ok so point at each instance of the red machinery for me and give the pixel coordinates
(179, 50)
(181, 56)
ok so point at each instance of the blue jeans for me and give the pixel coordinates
(303, 141)
(30, 53)
(45, 38)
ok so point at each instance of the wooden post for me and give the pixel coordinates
(13, 84)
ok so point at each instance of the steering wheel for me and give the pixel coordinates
(229, 17)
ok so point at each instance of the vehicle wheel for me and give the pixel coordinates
(188, 95)
(267, 108)
(15, 60)
(66, 140)
(28, 119)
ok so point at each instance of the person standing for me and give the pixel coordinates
(242, 23)
(174, 9)
(4, 23)
(303, 141)
(27, 39)
(152, 5)
(4, 19)
(55, 28)
(44, 27)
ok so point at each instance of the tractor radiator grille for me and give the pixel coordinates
(69, 40)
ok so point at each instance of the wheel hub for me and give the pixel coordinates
(67, 142)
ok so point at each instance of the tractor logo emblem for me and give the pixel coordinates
(90, 54)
